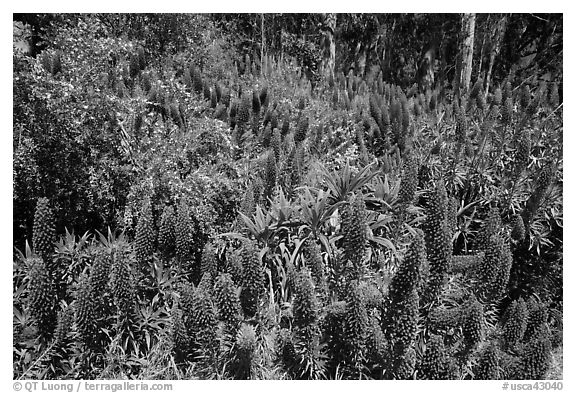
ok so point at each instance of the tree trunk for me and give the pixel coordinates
(330, 52)
(262, 70)
(468, 25)
(360, 59)
(495, 49)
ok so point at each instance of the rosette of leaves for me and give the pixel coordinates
(167, 232)
(438, 241)
(515, 323)
(488, 366)
(227, 302)
(41, 297)
(354, 233)
(252, 281)
(145, 234)
(44, 232)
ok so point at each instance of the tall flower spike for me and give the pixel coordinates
(85, 306)
(227, 302)
(252, 279)
(488, 367)
(515, 324)
(41, 297)
(354, 232)
(145, 234)
(44, 233)
(121, 283)
(438, 242)
(167, 232)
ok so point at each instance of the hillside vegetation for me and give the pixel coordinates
(188, 208)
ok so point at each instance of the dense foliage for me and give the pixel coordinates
(247, 215)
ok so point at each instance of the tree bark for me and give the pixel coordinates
(495, 49)
(262, 70)
(468, 26)
(330, 52)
